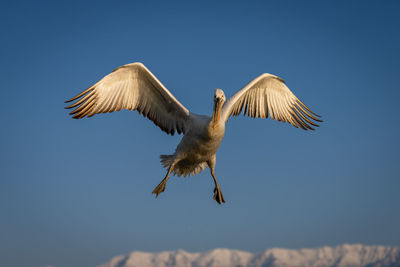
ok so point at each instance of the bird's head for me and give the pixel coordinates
(219, 100)
(219, 96)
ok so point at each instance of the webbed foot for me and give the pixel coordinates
(218, 195)
(160, 188)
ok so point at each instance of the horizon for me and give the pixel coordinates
(343, 255)
(217, 248)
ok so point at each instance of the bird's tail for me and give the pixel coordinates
(166, 160)
(182, 167)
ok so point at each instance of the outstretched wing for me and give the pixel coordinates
(133, 87)
(268, 95)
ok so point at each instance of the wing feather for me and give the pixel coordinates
(132, 87)
(267, 95)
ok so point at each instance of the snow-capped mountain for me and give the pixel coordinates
(340, 256)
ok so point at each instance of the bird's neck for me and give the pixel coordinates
(216, 116)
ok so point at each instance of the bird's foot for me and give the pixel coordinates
(218, 195)
(159, 189)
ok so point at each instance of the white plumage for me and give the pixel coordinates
(134, 87)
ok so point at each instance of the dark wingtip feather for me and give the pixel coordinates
(69, 100)
(316, 119)
(301, 103)
(81, 94)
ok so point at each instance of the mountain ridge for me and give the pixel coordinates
(355, 255)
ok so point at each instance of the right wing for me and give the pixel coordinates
(268, 95)
(133, 87)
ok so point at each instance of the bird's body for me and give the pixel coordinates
(198, 145)
(134, 87)
(201, 141)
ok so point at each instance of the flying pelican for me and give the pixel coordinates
(134, 87)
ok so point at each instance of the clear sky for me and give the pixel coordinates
(76, 193)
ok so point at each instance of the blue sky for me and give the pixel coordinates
(76, 193)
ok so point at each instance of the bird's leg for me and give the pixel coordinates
(217, 190)
(161, 186)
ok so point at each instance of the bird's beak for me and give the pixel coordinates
(217, 104)
(217, 111)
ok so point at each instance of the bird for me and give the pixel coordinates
(134, 87)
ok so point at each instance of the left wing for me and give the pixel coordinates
(133, 87)
(268, 94)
